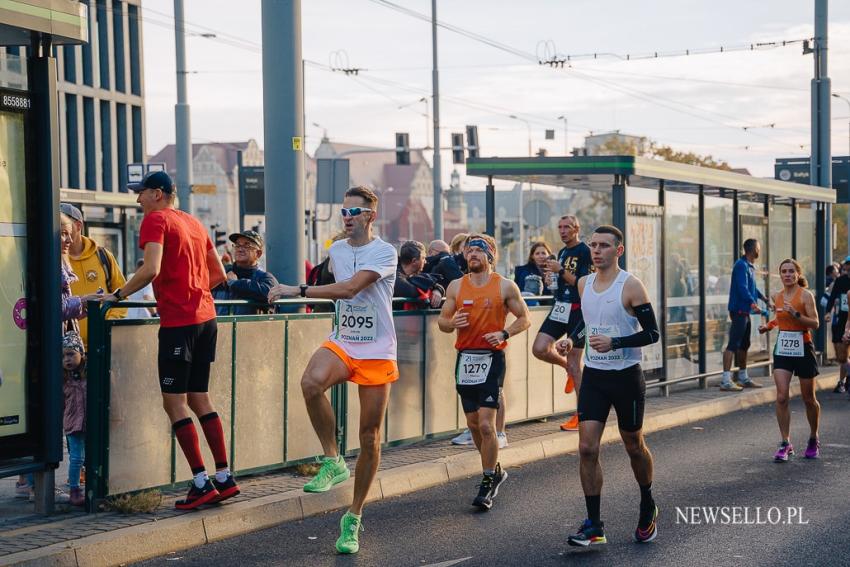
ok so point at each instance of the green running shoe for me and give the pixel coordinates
(333, 472)
(349, 527)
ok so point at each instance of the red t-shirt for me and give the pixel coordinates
(182, 288)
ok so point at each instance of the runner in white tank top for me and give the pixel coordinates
(362, 349)
(618, 320)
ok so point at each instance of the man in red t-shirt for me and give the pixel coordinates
(184, 265)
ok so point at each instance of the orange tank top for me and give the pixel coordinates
(487, 313)
(787, 322)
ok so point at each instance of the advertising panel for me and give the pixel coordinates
(13, 336)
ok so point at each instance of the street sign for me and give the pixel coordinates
(537, 213)
(204, 189)
(332, 179)
(797, 170)
(253, 189)
(136, 171)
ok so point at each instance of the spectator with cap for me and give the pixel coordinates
(96, 269)
(411, 281)
(245, 279)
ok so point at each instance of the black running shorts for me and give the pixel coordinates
(556, 329)
(185, 356)
(739, 331)
(805, 367)
(624, 389)
(486, 394)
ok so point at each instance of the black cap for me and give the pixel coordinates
(251, 235)
(153, 180)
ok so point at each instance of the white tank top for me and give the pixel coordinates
(604, 314)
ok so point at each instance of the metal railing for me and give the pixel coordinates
(255, 386)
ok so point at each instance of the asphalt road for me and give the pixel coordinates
(723, 462)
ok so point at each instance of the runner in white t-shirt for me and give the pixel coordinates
(361, 348)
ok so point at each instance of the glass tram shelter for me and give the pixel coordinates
(684, 228)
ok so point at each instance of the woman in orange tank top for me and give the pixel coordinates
(796, 317)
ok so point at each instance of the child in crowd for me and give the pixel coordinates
(74, 418)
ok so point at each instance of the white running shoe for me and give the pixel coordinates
(503, 439)
(464, 438)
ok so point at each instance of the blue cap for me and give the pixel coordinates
(847, 260)
(153, 180)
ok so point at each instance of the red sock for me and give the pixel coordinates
(187, 436)
(214, 432)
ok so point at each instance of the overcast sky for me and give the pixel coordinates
(700, 103)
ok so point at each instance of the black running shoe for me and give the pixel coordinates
(489, 488)
(588, 534)
(840, 388)
(226, 489)
(647, 528)
(198, 496)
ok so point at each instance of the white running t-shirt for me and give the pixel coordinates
(363, 325)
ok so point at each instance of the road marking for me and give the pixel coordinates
(448, 563)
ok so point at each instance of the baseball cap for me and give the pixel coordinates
(251, 235)
(153, 180)
(71, 211)
(847, 260)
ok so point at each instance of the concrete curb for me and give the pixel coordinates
(138, 543)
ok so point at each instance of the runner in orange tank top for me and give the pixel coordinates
(796, 317)
(477, 306)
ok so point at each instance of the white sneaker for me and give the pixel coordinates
(464, 438)
(503, 439)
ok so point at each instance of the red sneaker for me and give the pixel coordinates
(198, 496)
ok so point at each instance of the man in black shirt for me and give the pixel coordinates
(573, 262)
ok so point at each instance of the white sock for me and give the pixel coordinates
(221, 476)
(743, 376)
(201, 479)
(727, 377)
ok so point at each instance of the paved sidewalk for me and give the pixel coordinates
(78, 539)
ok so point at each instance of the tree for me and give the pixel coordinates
(622, 146)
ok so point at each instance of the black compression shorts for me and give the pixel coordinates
(624, 389)
(485, 394)
(185, 356)
(805, 367)
(557, 329)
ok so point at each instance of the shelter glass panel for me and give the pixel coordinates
(681, 256)
(719, 258)
(780, 239)
(805, 254)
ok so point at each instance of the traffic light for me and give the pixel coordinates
(402, 148)
(472, 141)
(218, 235)
(457, 148)
(507, 234)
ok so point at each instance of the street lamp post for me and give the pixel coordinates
(520, 231)
(566, 145)
(845, 99)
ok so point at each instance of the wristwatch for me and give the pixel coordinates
(117, 294)
(505, 334)
(797, 314)
(304, 289)
(615, 343)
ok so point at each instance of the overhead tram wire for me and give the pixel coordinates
(533, 57)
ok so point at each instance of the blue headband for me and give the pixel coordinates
(481, 243)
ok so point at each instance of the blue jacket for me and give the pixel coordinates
(253, 284)
(743, 292)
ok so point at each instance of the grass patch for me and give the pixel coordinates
(139, 503)
(308, 469)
